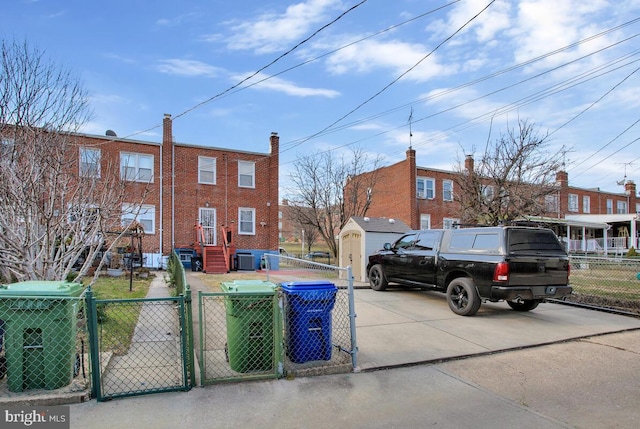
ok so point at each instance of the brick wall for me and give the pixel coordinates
(177, 196)
(395, 195)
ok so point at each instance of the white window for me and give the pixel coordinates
(425, 221)
(6, 147)
(447, 190)
(609, 206)
(246, 174)
(90, 162)
(247, 223)
(206, 170)
(586, 204)
(136, 167)
(450, 223)
(551, 203)
(621, 207)
(573, 203)
(144, 214)
(637, 207)
(425, 188)
(487, 192)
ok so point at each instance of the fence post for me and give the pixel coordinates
(189, 330)
(352, 318)
(94, 351)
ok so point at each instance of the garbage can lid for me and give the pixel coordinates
(248, 286)
(308, 286)
(45, 288)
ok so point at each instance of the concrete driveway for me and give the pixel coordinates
(401, 327)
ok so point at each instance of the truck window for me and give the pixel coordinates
(405, 242)
(462, 241)
(486, 242)
(475, 241)
(523, 240)
(427, 240)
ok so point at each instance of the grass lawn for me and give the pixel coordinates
(117, 322)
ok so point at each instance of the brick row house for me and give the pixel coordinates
(424, 198)
(193, 197)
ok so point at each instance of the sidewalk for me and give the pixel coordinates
(590, 383)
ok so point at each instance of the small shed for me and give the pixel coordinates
(362, 236)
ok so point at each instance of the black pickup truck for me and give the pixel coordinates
(521, 265)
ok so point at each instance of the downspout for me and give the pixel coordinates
(161, 205)
(173, 194)
(226, 190)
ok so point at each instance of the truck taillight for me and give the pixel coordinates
(501, 273)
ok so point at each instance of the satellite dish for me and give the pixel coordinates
(110, 133)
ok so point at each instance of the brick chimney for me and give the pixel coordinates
(630, 190)
(562, 179)
(273, 197)
(468, 163)
(412, 173)
(167, 130)
(166, 181)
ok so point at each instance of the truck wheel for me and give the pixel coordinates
(377, 280)
(526, 305)
(463, 297)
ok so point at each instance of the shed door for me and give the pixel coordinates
(352, 253)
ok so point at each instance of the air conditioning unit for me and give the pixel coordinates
(245, 262)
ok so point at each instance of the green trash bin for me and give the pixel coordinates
(39, 333)
(252, 316)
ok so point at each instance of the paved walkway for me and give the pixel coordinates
(154, 358)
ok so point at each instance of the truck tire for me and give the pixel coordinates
(462, 297)
(377, 279)
(526, 305)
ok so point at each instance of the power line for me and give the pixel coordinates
(294, 143)
(231, 88)
(395, 80)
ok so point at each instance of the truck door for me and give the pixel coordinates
(397, 262)
(423, 257)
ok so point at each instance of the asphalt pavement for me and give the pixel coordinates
(420, 365)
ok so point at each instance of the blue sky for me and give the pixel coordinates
(568, 66)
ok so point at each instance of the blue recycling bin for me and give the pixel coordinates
(308, 319)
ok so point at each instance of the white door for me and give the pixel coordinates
(208, 221)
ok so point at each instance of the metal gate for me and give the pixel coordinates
(138, 346)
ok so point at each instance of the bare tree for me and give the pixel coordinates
(56, 203)
(331, 190)
(511, 179)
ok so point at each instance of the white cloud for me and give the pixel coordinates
(176, 20)
(399, 57)
(188, 68)
(545, 25)
(271, 31)
(286, 87)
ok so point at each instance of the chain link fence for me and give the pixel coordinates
(240, 335)
(610, 283)
(318, 315)
(297, 320)
(43, 342)
(139, 347)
